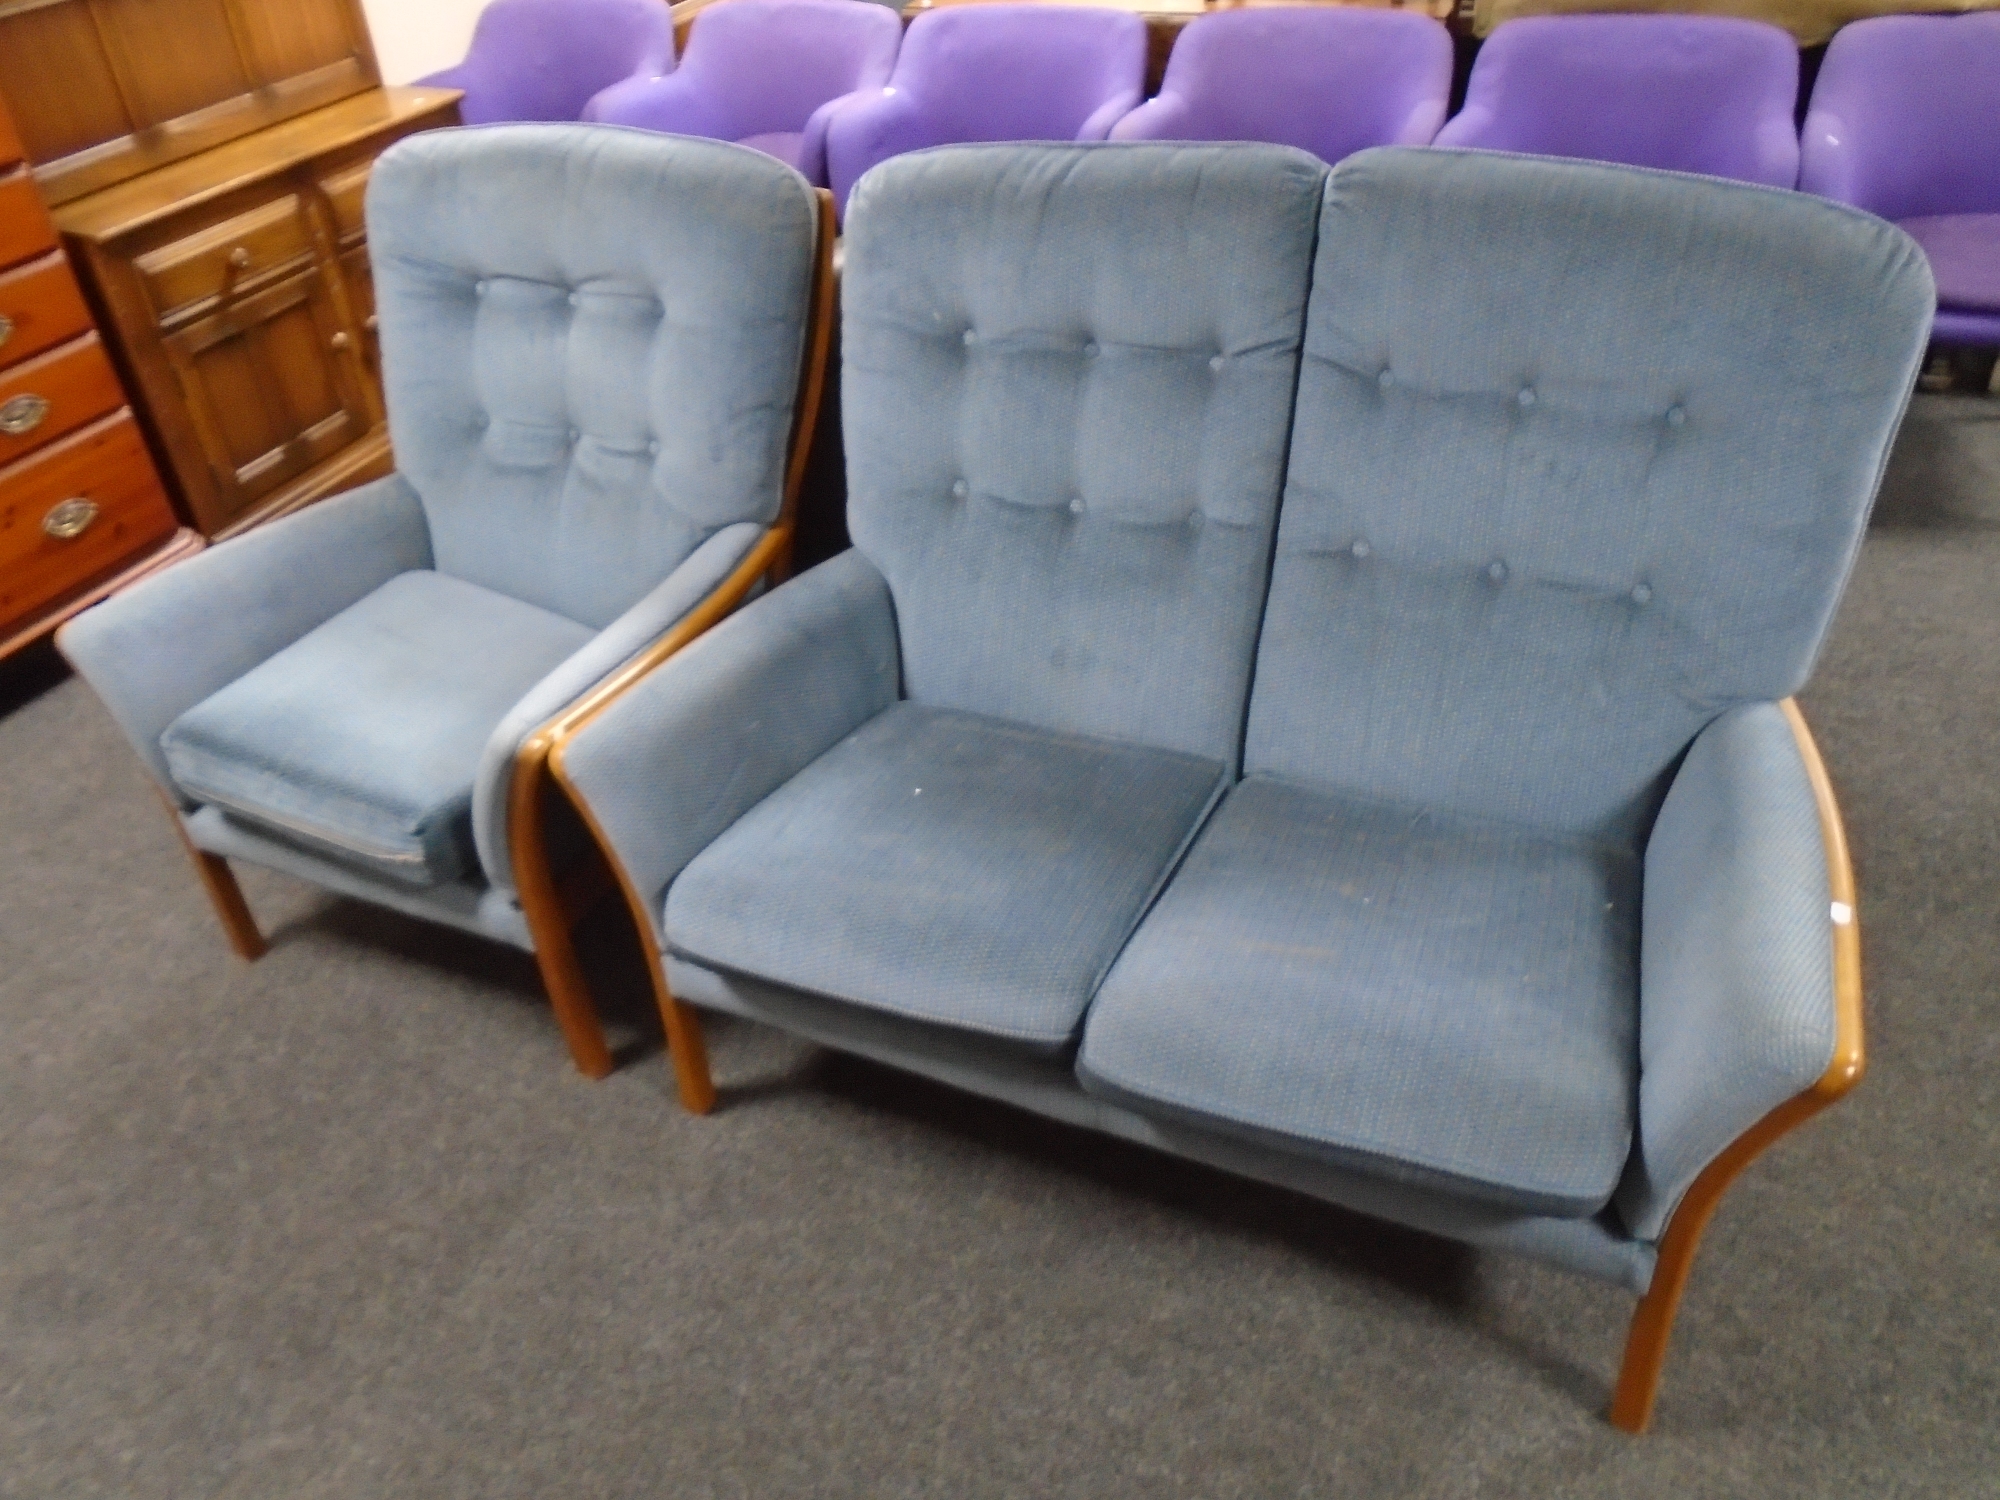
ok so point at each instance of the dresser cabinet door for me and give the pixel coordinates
(272, 385)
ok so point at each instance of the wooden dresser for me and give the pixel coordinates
(205, 161)
(81, 507)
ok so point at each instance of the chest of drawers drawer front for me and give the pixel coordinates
(221, 261)
(40, 307)
(25, 229)
(74, 511)
(55, 393)
(11, 149)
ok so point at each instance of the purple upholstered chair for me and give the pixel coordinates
(994, 73)
(764, 73)
(1905, 123)
(1332, 81)
(545, 59)
(1705, 94)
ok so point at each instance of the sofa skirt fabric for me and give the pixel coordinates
(1047, 1085)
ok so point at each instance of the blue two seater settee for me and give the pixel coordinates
(1310, 690)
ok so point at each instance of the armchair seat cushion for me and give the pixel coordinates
(361, 740)
(949, 867)
(1430, 999)
(1964, 252)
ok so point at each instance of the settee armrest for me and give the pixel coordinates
(665, 768)
(162, 646)
(1749, 991)
(699, 575)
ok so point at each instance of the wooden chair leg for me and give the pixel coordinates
(687, 1050)
(569, 992)
(1646, 1343)
(225, 895)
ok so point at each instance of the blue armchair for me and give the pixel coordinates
(1441, 841)
(593, 344)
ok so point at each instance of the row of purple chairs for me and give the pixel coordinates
(1905, 118)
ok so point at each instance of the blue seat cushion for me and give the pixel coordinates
(1429, 999)
(946, 866)
(360, 740)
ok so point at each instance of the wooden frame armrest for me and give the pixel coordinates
(550, 916)
(1652, 1324)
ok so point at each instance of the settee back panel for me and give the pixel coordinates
(1582, 458)
(591, 345)
(1067, 387)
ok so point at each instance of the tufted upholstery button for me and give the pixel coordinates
(1527, 396)
(1217, 363)
(1090, 350)
(1076, 505)
(960, 488)
(653, 447)
(1386, 379)
(1641, 594)
(479, 288)
(1196, 519)
(574, 437)
(1360, 548)
(574, 299)
(1497, 571)
(1676, 416)
(970, 336)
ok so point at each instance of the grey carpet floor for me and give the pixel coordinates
(344, 1224)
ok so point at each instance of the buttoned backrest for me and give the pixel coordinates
(591, 348)
(1905, 118)
(1582, 458)
(1710, 94)
(1067, 383)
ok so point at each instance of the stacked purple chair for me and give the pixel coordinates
(1905, 123)
(1706, 94)
(546, 59)
(1331, 81)
(764, 73)
(994, 73)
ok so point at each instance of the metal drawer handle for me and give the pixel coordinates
(23, 414)
(6, 329)
(71, 519)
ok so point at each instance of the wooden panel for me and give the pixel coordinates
(40, 307)
(287, 39)
(360, 275)
(58, 80)
(220, 259)
(105, 466)
(268, 392)
(171, 57)
(60, 391)
(25, 229)
(346, 189)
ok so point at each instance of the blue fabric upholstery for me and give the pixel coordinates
(632, 632)
(1596, 1247)
(1736, 982)
(153, 652)
(1437, 1000)
(1518, 572)
(591, 344)
(359, 740)
(949, 867)
(1067, 382)
(695, 745)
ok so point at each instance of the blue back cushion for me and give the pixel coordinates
(591, 343)
(1582, 458)
(1068, 379)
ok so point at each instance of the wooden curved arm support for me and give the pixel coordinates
(552, 918)
(1652, 1324)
